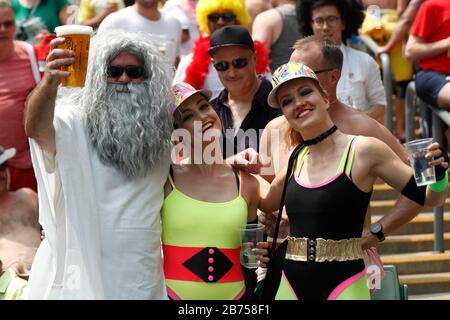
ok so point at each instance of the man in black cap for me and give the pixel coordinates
(242, 104)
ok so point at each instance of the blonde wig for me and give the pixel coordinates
(206, 7)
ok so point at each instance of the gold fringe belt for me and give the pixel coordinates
(320, 250)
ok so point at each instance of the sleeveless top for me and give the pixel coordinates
(334, 209)
(201, 246)
(281, 50)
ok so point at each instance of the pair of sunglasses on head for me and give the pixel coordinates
(226, 17)
(238, 63)
(133, 72)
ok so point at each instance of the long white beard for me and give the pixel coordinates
(127, 131)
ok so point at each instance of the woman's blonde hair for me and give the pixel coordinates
(206, 7)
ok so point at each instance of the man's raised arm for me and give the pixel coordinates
(40, 104)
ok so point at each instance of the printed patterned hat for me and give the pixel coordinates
(183, 90)
(285, 73)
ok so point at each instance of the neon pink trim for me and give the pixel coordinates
(311, 186)
(350, 178)
(289, 285)
(172, 294)
(345, 284)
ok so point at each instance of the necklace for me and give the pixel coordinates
(320, 137)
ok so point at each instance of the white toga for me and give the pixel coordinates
(102, 230)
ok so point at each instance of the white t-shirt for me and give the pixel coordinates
(166, 31)
(360, 84)
(212, 81)
(103, 231)
(173, 8)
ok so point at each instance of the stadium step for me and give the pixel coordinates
(428, 283)
(431, 296)
(421, 224)
(425, 273)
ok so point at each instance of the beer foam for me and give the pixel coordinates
(72, 29)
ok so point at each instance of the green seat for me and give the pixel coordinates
(390, 287)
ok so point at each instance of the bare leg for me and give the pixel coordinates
(443, 99)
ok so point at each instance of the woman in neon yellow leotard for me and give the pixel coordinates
(204, 207)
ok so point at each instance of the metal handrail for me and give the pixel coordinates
(440, 118)
(410, 110)
(438, 134)
(387, 78)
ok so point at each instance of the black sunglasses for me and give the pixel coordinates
(7, 24)
(226, 17)
(3, 166)
(238, 63)
(133, 72)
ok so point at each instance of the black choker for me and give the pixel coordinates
(321, 137)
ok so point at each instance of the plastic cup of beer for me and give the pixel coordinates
(77, 38)
(423, 172)
(251, 234)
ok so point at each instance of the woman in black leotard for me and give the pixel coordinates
(329, 190)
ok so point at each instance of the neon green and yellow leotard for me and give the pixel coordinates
(201, 245)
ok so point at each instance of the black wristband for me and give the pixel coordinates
(440, 170)
(413, 192)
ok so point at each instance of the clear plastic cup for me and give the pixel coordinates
(423, 172)
(251, 234)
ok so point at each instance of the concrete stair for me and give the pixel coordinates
(410, 249)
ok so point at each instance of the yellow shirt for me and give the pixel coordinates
(11, 286)
(91, 8)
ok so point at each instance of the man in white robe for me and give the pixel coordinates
(101, 157)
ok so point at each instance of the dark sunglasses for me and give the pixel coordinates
(133, 72)
(3, 166)
(7, 24)
(226, 17)
(238, 63)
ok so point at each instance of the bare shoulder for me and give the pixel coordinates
(362, 124)
(276, 123)
(271, 14)
(279, 124)
(369, 147)
(27, 199)
(257, 6)
(26, 194)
